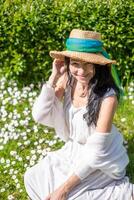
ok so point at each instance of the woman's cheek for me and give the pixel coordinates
(74, 72)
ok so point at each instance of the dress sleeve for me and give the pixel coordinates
(48, 110)
(110, 92)
(104, 151)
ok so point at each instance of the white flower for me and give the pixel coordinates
(27, 142)
(28, 130)
(31, 85)
(32, 151)
(38, 147)
(34, 157)
(4, 119)
(13, 153)
(34, 93)
(20, 159)
(51, 143)
(35, 143)
(41, 140)
(131, 89)
(25, 165)
(131, 97)
(1, 140)
(32, 162)
(2, 190)
(18, 186)
(125, 97)
(27, 168)
(30, 94)
(14, 102)
(13, 162)
(18, 116)
(25, 138)
(8, 165)
(48, 149)
(14, 177)
(2, 160)
(46, 130)
(22, 122)
(44, 152)
(30, 99)
(2, 87)
(19, 144)
(39, 151)
(1, 147)
(16, 172)
(132, 84)
(7, 161)
(40, 158)
(10, 197)
(25, 112)
(133, 102)
(27, 157)
(11, 171)
(123, 119)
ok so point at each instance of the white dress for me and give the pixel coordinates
(99, 160)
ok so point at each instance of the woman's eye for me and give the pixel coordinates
(74, 63)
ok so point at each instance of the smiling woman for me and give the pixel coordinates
(79, 101)
(82, 70)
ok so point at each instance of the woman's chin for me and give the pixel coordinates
(82, 79)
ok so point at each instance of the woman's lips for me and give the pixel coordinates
(82, 76)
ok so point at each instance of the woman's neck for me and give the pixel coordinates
(81, 86)
(81, 89)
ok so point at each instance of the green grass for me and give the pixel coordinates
(23, 142)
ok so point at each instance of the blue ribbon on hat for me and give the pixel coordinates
(94, 46)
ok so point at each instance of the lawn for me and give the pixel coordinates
(23, 142)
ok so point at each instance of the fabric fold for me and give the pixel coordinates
(48, 110)
(104, 151)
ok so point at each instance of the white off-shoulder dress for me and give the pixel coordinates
(98, 159)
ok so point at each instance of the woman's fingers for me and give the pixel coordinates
(58, 66)
(47, 198)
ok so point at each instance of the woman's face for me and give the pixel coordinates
(81, 71)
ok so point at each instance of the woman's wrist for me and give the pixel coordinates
(53, 80)
(71, 183)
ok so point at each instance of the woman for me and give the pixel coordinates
(79, 100)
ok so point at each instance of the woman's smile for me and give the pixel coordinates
(81, 76)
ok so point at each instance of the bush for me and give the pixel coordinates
(30, 29)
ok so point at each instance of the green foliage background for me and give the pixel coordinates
(29, 29)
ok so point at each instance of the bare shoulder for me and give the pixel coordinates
(106, 113)
(110, 102)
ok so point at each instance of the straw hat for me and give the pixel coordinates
(84, 46)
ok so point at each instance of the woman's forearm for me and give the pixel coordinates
(71, 182)
(53, 80)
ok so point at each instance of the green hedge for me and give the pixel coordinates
(30, 29)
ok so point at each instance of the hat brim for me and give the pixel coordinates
(96, 58)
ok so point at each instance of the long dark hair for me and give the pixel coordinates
(101, 82)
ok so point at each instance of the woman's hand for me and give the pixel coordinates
(58, 194)
(58, 67)
(58, 78)
(58, 74)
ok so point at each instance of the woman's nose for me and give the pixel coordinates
(81, 71)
